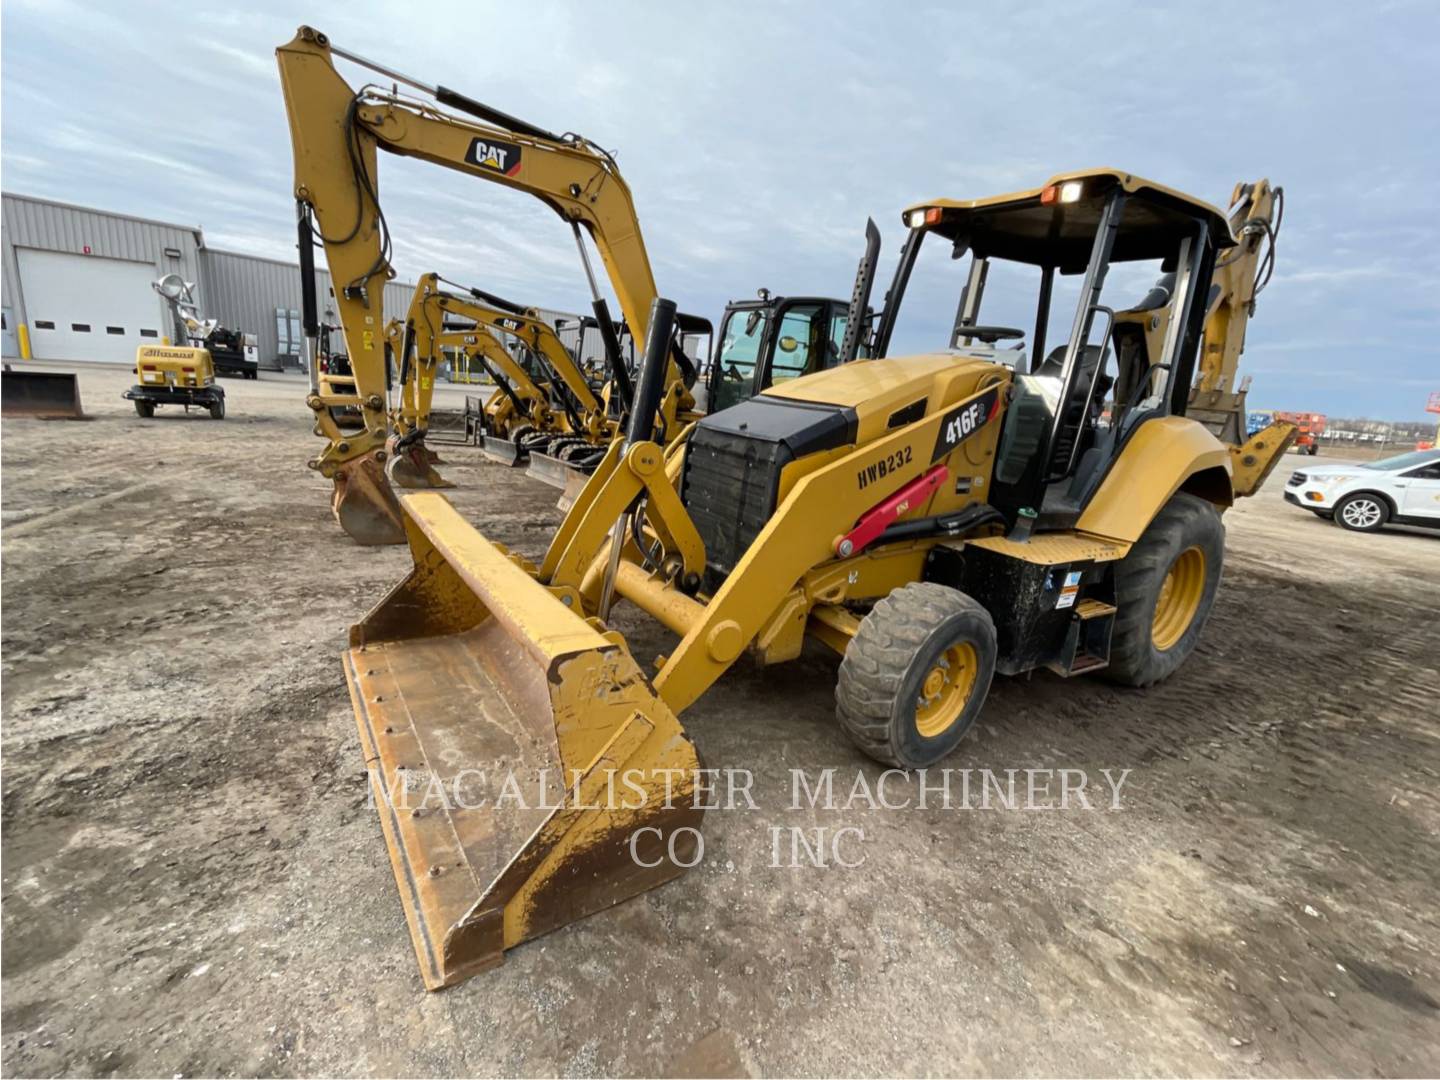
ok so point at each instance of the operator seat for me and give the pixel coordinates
(1075, 423)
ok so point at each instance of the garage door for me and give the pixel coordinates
(82, 307)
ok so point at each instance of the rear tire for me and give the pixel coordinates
(916, 675)
(1362, 512)
(1164, 590)
(217, 409)
(145, 409)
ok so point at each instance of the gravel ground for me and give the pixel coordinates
(194, 884)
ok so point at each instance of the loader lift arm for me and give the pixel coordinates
(335, 134)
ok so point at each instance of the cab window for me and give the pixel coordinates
(735, 363)
(801, 337)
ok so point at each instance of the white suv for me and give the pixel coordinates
(1403, 490)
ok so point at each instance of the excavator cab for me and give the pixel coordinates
(771, 340)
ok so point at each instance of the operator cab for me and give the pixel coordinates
(773, 339)
(1093, 289)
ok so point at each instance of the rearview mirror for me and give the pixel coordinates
(788, 344)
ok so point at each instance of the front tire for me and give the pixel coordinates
(1164, 590)
(1362, 512)
(916, 674)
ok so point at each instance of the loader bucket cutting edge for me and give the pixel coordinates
(472, 682)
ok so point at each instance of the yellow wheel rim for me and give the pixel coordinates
(1179, 599)
(946, 690)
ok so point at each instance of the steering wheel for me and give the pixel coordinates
(988, 334)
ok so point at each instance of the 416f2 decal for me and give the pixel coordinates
(964, 420)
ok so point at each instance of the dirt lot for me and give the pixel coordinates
(193, 883)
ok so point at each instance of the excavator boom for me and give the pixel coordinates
(335, 134)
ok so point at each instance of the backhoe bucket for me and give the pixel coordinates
(44, 395)
(365, 505)
(412, 468)
(525, 772)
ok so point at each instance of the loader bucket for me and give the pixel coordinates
(365, 505)
(43, 395)
(525, 772)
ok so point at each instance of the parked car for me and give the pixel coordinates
(1401, 490)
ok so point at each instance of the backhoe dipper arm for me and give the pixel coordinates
(1255, 213)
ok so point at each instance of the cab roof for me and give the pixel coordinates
(1019, 226)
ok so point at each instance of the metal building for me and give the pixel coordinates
(77, 280)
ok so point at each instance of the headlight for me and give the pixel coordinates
(1338, 478)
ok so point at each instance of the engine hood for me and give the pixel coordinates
(885, 393)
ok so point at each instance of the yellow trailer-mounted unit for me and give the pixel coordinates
(177, 374)
(992, 505)
(336, 133)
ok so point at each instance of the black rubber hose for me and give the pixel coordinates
(952, 524)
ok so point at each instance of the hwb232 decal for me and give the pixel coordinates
(884, 467)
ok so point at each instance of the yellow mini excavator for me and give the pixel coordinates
(561, 410)
(335, 134)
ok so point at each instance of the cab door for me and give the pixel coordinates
(800, 343)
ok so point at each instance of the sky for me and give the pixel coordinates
(757, 138)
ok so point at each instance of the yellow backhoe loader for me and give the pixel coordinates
(335, 134)
(936, 514)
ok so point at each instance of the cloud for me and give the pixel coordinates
(757, 139)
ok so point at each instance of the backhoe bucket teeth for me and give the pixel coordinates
(411, 468)
(365, 505)
(505, 451)
(525, 772)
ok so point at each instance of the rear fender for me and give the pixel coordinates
(1165, 455)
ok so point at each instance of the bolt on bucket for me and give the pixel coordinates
(525, 772)
(364, 504)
